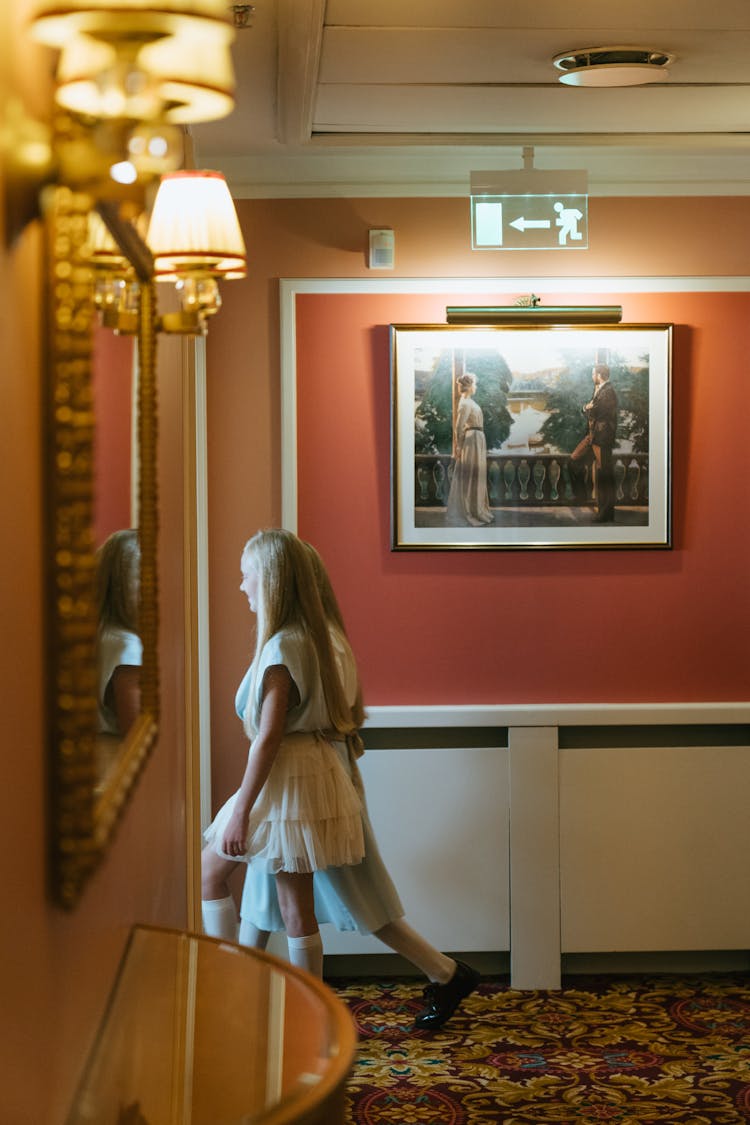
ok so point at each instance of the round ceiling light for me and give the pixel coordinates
(613, 66)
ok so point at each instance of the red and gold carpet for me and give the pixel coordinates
(603, 1051)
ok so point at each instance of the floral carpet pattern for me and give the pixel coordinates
(625, 1050)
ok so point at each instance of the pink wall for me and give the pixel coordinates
(510, 627)
(682, 588)
(113, 391)
(56, 968)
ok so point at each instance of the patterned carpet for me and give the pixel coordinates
(663, 1050)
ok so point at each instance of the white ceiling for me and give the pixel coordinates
(406, 97)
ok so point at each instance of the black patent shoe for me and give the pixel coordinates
(441, 1000)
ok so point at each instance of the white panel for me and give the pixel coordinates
(535, 879)
(522, 109)
(654, 849)
(447, 55)
(610, 19)
(441, 821)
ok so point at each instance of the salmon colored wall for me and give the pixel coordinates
(113, 389)
(328, 238)
(56, 968)
(531, 627)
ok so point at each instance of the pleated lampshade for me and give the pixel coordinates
(57, 22)
(129, 59)
(104, 253)
(194, 227)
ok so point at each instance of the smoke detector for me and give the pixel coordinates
(613, 66)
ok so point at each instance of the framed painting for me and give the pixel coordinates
(531, 436)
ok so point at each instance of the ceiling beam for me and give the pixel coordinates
(300, 40)
(686, 141)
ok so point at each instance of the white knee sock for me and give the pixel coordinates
(400, 937)
(252, 936)
(219, 917)
(307, 953)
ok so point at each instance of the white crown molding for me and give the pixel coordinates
(425, 173)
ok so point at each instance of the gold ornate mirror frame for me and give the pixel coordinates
(84, 807)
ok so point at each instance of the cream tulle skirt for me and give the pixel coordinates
(308, 815)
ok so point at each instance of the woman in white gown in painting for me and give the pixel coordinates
(468, 501)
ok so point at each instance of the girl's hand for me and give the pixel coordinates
(278, 690)
(234, 840)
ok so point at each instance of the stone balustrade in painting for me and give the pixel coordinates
(529, 480)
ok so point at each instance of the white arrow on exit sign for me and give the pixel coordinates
(523, 224)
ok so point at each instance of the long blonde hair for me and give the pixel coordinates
(289, 597)
(335, 617)
(118, 563)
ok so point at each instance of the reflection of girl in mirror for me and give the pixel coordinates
(120, 652)
(468, 501)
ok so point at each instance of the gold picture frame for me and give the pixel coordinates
(532, 482)
(84, 806)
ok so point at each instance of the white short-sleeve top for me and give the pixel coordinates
(117, 647)
(289, 648)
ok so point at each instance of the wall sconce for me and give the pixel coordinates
(122, 60)
(116, 284)
(193, 241)
(128, 77)
(195, 237)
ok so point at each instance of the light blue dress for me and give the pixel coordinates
(356, 897)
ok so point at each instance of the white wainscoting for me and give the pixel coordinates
(655, 848)
(441, 819)
(544, 851)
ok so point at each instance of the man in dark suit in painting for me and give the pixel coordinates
(596, 448)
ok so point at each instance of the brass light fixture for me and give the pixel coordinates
(533, 314)
(129, 75)
(193, 241)
(242, 14)
(196, 240)
(122, 59)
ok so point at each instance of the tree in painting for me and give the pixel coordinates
(566, 424)
(433, 416)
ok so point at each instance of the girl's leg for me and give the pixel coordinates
(296, 903)
(218, 910)
(252, 936)
(259, 900)
(450, 981)
(400, 937)
(306, 952)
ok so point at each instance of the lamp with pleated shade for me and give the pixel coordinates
(194, 235)
(194, 227)
(126, 59)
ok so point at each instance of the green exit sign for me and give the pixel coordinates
(530, 210)
(530, 222)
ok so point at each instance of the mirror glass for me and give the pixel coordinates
(116, 543)
(101, 521)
